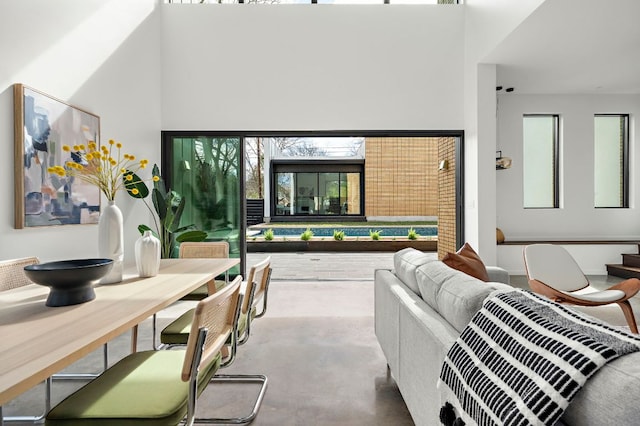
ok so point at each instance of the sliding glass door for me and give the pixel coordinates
(207, 171)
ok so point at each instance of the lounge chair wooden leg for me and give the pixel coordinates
(628, 314)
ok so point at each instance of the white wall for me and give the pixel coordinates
(99, 55)
(143, 67)
(577, 218)
(312, 67)
(487, 23)
(222, 67)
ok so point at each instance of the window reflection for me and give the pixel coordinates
(205, 171)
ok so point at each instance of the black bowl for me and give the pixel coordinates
(71, 281)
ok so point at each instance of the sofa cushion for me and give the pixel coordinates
(405, 263)
(455, 295)
(467, 261)
(610, 397)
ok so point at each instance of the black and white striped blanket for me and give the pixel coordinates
(522, 359)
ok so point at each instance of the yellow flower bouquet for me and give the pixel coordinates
(108, 168)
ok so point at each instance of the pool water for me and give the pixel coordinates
(353, 231)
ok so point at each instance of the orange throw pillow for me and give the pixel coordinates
(467, 260)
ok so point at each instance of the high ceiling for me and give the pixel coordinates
(573, 47)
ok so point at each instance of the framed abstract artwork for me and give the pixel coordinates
(44, 124)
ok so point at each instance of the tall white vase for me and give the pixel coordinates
(111, 241)
(147, 255)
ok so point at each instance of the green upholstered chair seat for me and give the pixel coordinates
(203, 291)
(144, 388)
(177, 333)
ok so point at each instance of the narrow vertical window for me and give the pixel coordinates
(611, 160)
(540, 161)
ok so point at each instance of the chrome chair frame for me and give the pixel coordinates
(191, 418)
(228, 378)
(225, 378)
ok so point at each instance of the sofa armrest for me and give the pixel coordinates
(497, 274)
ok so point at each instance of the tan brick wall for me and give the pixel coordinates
(401, 176)
(353, 183)
(447, 197)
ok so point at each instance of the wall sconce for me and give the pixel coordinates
(444, 165)
(185, 166)
(502, 163)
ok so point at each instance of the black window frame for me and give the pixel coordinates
(315, 166)
(243, 134)
(625, 160)
(556, 159)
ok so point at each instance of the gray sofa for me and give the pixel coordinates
(420, 309)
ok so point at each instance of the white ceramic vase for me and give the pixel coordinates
(111, 241)
(147, 250)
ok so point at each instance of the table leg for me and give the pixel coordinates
(31, 419)
(134, 339)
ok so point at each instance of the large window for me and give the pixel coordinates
(303, 190)
(540, 158)
(611, 160)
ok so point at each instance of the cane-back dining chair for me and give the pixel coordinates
(255, 304)
(553, 272)
(161, 387)
(12, 276)
(12, 272)
(204, 250)
(255, 291)
(199, 250)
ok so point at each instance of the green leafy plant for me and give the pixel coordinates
(306, 235)
(412, 235)
(168, 206)
(207, 192)
(375, 235)
(268, 235)
(338, 235)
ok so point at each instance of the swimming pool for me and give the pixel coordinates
(352, 231)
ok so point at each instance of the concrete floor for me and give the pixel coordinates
(316, 344)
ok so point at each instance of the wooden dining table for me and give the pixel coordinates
(38, 341)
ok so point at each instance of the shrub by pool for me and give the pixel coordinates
(352, 231)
